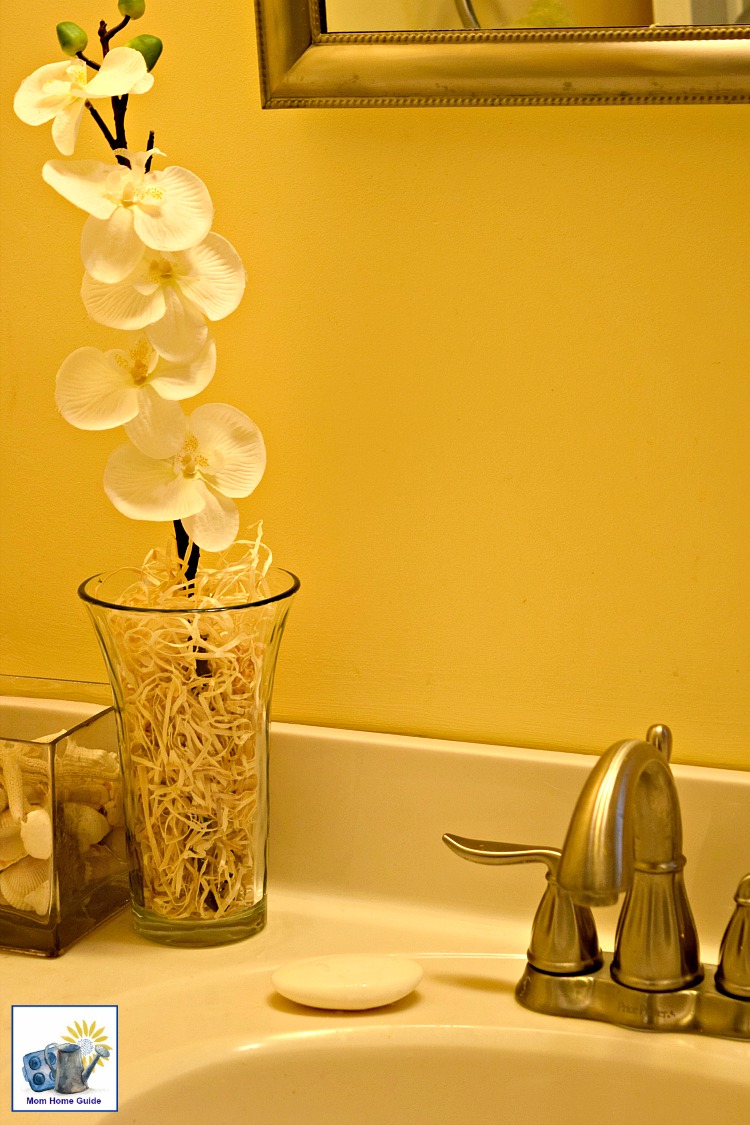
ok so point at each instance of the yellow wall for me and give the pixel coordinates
(500, 360)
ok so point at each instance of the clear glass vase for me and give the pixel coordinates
(192, 686)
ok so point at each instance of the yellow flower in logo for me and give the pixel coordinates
(88, 1037)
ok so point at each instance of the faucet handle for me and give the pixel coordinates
(564, 940)
(733, 973)
(499, 852)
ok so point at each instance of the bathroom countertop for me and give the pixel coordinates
(115, 965)
(169, 998)
(170, 1001)
(467, 925)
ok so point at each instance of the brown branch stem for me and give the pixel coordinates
(89, 62)
(119, 104)
(112, 141)
(105, 35)
(183, 546)
(149, 147)
(119, 109)
(102, 125)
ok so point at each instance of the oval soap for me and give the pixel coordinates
(347, 981)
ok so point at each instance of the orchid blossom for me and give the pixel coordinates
(189, 470)
(58, 92)
(98, 390)
(130, 207)
(154, 266)
(171, 294)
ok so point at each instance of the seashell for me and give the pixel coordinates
(114, 812)
(35, 765)
(38, 900)
(100, 863)
(117, 843)
(8, 826)
(32, 759)
(87, 762)
(12, 780)
(93, 793)
(3, 798)
(36, 833)
(86, 824)
(49, 737)
(24, 879)
(11, 850)
(34, 795)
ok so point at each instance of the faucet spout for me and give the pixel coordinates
(626, 835)
(627, 813)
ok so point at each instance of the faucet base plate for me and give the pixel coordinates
(701, 1009)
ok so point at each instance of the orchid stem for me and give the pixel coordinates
(102, 125)
(202, 667)
(119, 105)
(89, 62)
(105, 35)
(119, 109)
(183, 546)
(149, 147)
(113, 142)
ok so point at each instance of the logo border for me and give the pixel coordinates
(37, 1109)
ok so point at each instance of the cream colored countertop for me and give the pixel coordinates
(357, 866)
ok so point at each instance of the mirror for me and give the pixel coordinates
(497, 15)
(350, 53)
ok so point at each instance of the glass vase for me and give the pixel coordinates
(192, 687)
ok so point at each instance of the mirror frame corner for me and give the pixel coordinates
(301, 66)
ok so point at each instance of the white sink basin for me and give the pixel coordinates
(416, 1075)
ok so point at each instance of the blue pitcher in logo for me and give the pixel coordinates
(65, 1061)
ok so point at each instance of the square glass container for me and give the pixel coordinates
(63, 866)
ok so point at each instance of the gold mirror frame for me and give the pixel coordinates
(302, 67)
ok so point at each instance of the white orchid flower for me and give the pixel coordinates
(189, 471)
(171, 294)
(98, 390)
(58, 92)
(130, 207)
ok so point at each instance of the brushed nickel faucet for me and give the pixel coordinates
(625, 834)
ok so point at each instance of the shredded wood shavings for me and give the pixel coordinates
(194, 721)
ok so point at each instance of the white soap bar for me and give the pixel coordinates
(347, 981)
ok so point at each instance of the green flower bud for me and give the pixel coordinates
(149, 46)
(71, 38)
(132, 8)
